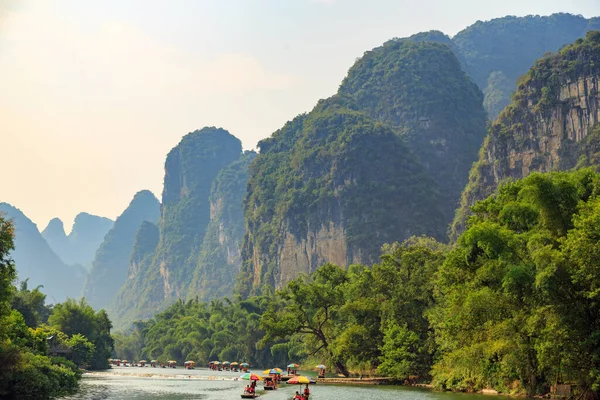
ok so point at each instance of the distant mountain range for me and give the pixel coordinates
(79, 247)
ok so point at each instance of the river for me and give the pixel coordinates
(133, 383)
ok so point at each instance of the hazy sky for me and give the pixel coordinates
(93, 94)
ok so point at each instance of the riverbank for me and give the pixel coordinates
(358, 381)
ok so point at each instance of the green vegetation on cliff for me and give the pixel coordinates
(220, 258)
(110, 266)
(505, 48)
(162, 278)
(333, 166)
(420, 90)
(545, 127)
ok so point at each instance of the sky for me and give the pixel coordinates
(93, 94)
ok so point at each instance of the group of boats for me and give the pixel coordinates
(228, 366)
(273, 377)
(142, 363)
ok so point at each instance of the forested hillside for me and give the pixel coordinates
(190, 170)
(220, 256)
(383, 160)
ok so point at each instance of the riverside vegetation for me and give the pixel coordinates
(514, 305)
(32, 334)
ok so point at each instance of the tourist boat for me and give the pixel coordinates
(270, 383)
(172, 363)
(142, 363)
(189, 364)
(153, 363)
(249, 395)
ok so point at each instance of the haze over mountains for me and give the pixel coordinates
(81, 244)
(386, 157)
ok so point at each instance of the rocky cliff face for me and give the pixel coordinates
(190, 171)
(79, 247)
(331, 186)
(498, 52)
(550, 125)
(36, 261)
(111, 262)
(220, 256)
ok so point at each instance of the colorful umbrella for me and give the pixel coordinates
(300, 380)
(244, 365)
(217, 363)
(278, 370)
(250, 377)
(234, 363)
(271, 372)
(144, 361)
(321, 366)
(293, 366)
(226, 363)
(172, 362)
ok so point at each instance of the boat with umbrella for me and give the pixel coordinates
(302, 380)
(171, 363)
(250, 391)
(292, 369)
(321, 369)
(244, 366)
(153, 363)
(226, 365)
(234, 366)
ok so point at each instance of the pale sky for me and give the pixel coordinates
(93, 94)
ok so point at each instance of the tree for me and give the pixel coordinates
(310, 305)
(74, 318)
(31, 303)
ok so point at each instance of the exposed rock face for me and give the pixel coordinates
(331, 186)
(547, 127)
(220, 257)
(157, 280)
(499, 51)
(111, 263)
(79, 247)
(36, 261)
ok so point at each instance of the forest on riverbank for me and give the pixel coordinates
(512, 306)
(44, 348)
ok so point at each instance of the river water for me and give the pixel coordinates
(134, 383)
